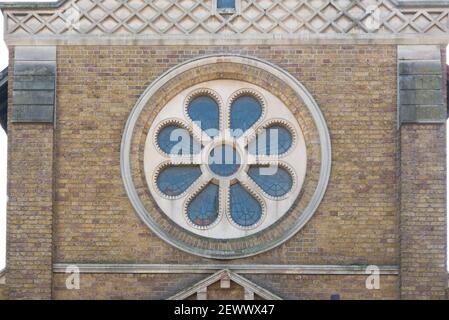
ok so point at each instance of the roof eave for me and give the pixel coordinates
(420, 3)
(32, 5)
(57, 4)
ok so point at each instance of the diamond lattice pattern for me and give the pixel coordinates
(254, 17)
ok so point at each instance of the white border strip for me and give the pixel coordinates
(235, 40)
(212, 268)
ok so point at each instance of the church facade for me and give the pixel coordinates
(218, 149)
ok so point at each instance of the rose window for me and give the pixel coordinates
(225, 159)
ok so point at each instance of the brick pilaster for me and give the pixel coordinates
(423, 272)
(30, 175)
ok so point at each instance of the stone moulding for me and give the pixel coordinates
(420, 85)
(272, 21)
(237, 268)
(34, 86)
(249, 286)
(59, 3)
(288, 80)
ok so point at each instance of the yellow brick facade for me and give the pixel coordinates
(78, 211)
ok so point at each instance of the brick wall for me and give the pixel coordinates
(423, 211)
(161, 286)
(348, 287)
(357, 222)
(124, 286)
(423, 219)
(355, 86)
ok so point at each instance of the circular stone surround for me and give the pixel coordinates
(272, 209)
(261, 75)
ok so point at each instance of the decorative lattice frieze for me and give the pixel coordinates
(198, 18)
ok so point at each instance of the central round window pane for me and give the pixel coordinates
(224, 160)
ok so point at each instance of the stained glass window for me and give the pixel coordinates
(203, 209)
(274, 140)
(224, 163)
(173, 181)
(245, 209)
(275, 181)
(245, 111)
(205, 111)
(173, 139)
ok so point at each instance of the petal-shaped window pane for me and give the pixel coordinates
(245, 209)
(175, 140)
(205, 111)
(275, 181)
(273, 140)
(203, 209)
(245, 111)
(172, 181)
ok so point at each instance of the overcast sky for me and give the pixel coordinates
(3, 150)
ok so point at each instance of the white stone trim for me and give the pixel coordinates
(421, 3)
(115, 22)
(293, 269)
(201, 287)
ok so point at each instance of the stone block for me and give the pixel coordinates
(431, 82)
(423, 113)
(34, 83)
(419, 67)
(425, 97)
(33, 113)
(35, 53)
(419, 52)
(35, 68)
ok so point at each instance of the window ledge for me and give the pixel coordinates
(226, 10)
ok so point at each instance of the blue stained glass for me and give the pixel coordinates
(245, 209)
(224, 160)
(225, 4)
(245, 111)
(276, 182)
(273, 140)
(205, 111)
(173, 181)
(203, 209)
(177, 141)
